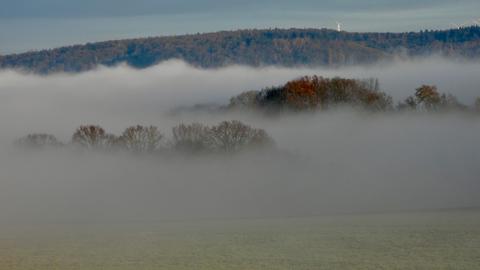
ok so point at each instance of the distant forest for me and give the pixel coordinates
(283, 47)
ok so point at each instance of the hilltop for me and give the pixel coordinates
(282, 47)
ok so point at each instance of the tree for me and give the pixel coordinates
(39, 140)
(314, 92)
(192, 138)
(428, 96)
(271, 99)
(377, 101)
(300, 94)
(246, 100)
(92, 137)
(449, 102)
(340, 91)
(290, 47)
(141, 139)
(233, 136)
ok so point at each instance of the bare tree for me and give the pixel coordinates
(233, 136)
(141, 139)
(92, 137)
(192, 138)
(449, 102)
(38, 140)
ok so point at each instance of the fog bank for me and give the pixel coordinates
(330, 162)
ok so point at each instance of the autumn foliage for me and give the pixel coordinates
(316, 93)
(302, 94)
(427, 98)
(311, 93)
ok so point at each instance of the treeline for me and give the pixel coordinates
(226, 137)
(318, 93)
(282, 47)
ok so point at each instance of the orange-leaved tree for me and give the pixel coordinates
(428, 97)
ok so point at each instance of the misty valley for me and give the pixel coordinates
(308, 94)
(177, 166)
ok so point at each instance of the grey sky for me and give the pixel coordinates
(84, 8)
(36, 24)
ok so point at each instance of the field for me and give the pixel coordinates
(419, 240)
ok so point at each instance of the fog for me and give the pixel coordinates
(330, 162)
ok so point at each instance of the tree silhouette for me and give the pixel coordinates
(233, 136)
(428, 97)
(309, 93)
(194, 138)
(92, 137)
(141, 139)
(39, 140)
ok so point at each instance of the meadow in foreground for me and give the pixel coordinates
(415, 240)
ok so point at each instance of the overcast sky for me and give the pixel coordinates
(36, 24)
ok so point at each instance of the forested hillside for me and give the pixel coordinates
(284, 47)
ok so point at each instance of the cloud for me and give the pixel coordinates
(330, 162)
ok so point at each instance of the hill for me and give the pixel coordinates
(284, 47)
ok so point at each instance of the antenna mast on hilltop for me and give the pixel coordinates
(456, 26)
(339, 26)
(476, 22)
(459, 26)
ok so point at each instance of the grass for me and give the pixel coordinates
(421, 240)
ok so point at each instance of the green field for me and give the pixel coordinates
(420, 240)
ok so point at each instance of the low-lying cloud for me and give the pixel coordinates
(329, 162)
